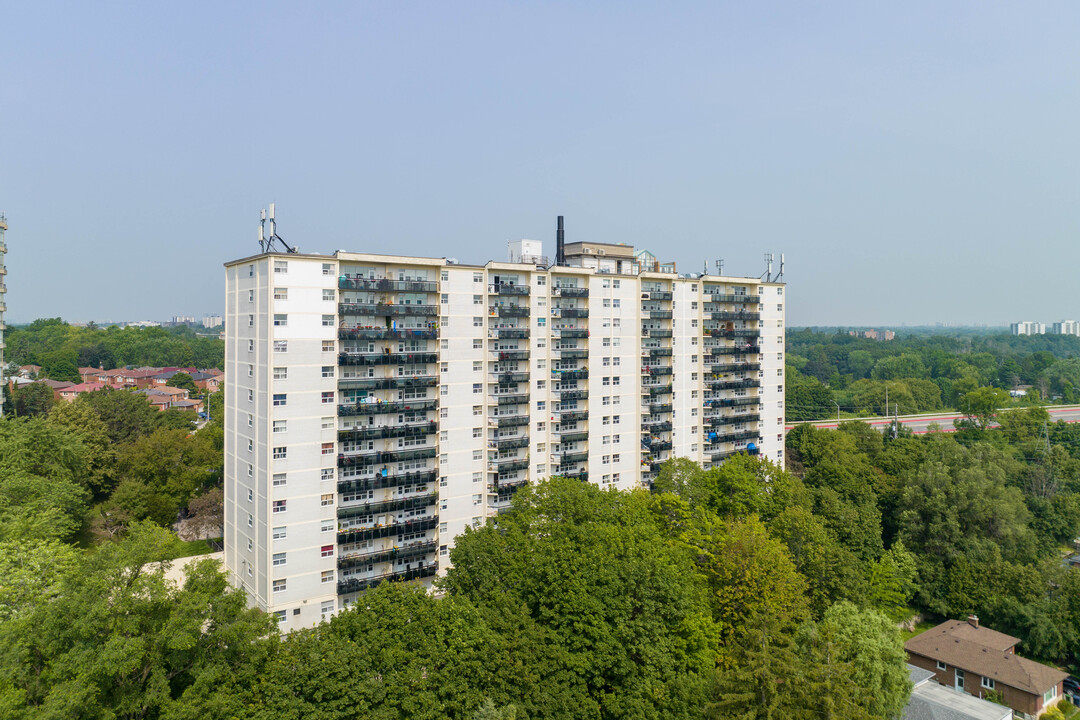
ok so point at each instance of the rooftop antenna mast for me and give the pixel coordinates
(720, 267)
(780, 275)
(266, 242)
(768, 267)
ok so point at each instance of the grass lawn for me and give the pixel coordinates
(919, 628)
(190, 548)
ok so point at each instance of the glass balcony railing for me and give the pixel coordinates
(352, 535)
(385, 408)
(514, 311)
(382, 333)
(389, 309)
(732, 402)
(345, 512)
(575, 292)
(508, 289)
(740, 333)
(724, 315)
(732, 419)
(655, 333)
(353, 585)
(371, 457)
(406, 552)
(733, 384)
(394, 383)
(382, 285)
(571, 333)
(388, 480)
(388, 358)
(719, 298)
(381, 432)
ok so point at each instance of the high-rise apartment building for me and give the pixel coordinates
(3, 304)
(1067, 327)
(378, 405)
(1028, 327)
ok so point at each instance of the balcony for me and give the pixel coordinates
(740, 333)
(509, 421)
(744, 350)
(394, 383)
(569, 312)
(574, 292)
(658, 408)
(656, 426)
(386, 408)
(571, 333)
(655, 370)
(383, 285)
(658, 315)
(382, 432)
(565, 375)
(734, 384)
(395, 505)
(514, 311)
(660, 446)
(572, 458)
(352, 535)
(732, 419)
(353, 585)
(408, 551)
(566, 416)
(656, 352)
(734, 367)
(732, 402)
(510, 378)
(387, 358)
(370, 333)
(380, 481)
(508, 289)
(572, 436)
(572, 394)
(655, 333)
(714, 438)
(572, 353)
(507, 465)
(725, 315)
(582, 475)
(656, 295)
(511, 354)
(751, 299)
(509, 333)
(657, 390)
(510, 443)
(392, 309)
(385, 457)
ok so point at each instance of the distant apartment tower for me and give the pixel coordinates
(3, 303)
(1067, 327)
(1028, 328)
(212, 321)
(378, 405)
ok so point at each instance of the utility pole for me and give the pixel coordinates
(837, 411)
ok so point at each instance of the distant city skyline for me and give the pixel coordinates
(915, 162)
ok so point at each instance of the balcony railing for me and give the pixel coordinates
(582, 475)
(514, 311)
(659, 315)
(508, 289)
(732, 402)
(657, 390)
(510, 421)
(517, 399)
(732, 419)
(509, 333)
(656, 352)
(405, 552)
(510, 443)
(733, 367)
(395, 505)
(576, 292)
(570, 312)
(752, 299)
(725, 315)
(572, 394)
(737, 350)
(571, 333)
(733, 384)
(381, 457)
(740, 333)
(358, 585)
(510, 378)
(657, 408)
(655, 370)
(420, 358)
(386, 408)
(572, 353)
(394, 383)
(351, 535)
(509, 465)
(511, 354)
(655, 333)
(714, 438)
(380, 481)
(563, 375)
(380, 309)
(660, 446)
(656, 426)
(383, 285)
(656, 295)
(572, 436)
(578, 456)
(369, 333)
(381, 432)
(572, 415)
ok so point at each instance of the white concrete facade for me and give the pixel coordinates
(382, 404)
(1028, 327)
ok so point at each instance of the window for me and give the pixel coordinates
(327, 551)
(1049, 695)
(281, 346)
(279, 586)
(279, 559)
(477, 432)
(607, 302)
(328, 397)
(328, 321)
(280, 453)
(251, 445)
(328, 295)
(251, 523)
(279, 506)
(541, 405)
(326, 499)
(328, 423)
(615, 458)
(327, 269)
(541, 322)
(616, 303)
(251, 346)
(477, 409)
(251, 321)
(941, 665)
(444, 275)
(251, 296)
(328, 346)
(988, 683)
(615, 284)
(477, 299)
(280, 399)
(444, 389)
(328, 448)
(251, 271)
(281, 373)
(478, 277)
(477, 388)
(606, 460)
(280, 532)
(478, 366)
(477, 344)
(279, 615)
(780, 372)
(477, 499)
(328, 371)
(327, 577)
(478, 321)
(280, 320)
(281, 293)
(279, 479)
(327, 526)
(279, 426)
(281, 266)
(478, 455)
(326, 474)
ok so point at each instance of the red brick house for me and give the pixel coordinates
(977, 660)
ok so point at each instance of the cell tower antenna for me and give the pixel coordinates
(720, 267)
(768, 267)
(780, 275)
(266, 242)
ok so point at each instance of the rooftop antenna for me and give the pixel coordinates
(720, 267)
(560, 239)
(768, 267)
(267, 242)
(780, 275)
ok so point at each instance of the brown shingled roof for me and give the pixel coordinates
(984, 652)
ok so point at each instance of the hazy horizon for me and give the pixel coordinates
(916, 164)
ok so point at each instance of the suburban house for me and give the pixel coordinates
(978, 661)
(932, 701)
(56, 386)
(70, 393)
(30, 372)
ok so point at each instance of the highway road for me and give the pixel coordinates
(919, 424)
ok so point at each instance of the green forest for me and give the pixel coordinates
(830, 371)
(61, 349)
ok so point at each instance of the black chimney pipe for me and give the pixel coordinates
(560, 238)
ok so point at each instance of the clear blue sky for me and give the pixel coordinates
(916, 162)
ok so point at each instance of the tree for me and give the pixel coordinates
(78, 419)
(207, 513)
(32, 399)
(183, 381)
(127, 416)
(982, 404)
